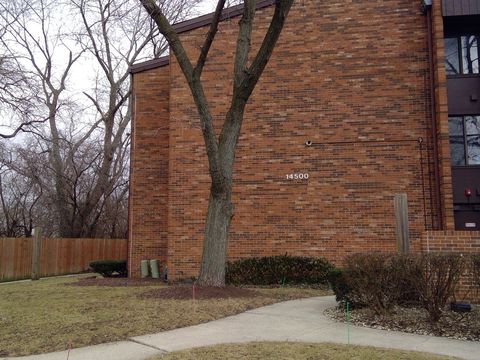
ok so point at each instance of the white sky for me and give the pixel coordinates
(207, 6)
(80, 82)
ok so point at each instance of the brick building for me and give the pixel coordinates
(360, 101)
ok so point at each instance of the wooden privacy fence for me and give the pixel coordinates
(58, 256)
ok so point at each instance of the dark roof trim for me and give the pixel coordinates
(192, 24)
(150, 64)
(460, 7)
(227, 13)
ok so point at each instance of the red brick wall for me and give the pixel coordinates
(149, 168)
(464, 242)
(351, 78)
(331, 79)
(467, 242)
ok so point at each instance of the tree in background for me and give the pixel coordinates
(81, 140)
(18, 91)
(221, 150)
(18, 197)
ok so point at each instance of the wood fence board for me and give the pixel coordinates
(8, 259)
(3, 261)
(77, 255)
(57, 256)
(25, 254)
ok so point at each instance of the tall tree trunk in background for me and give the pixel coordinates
(61, 192)
(102, 21)
(221, 151)
(52, 95)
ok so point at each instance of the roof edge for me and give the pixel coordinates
(150, 64)
(192, 24)
(227, 13)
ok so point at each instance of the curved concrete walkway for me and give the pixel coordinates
(298, 320)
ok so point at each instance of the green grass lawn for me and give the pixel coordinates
(296, 351)
(44, 316)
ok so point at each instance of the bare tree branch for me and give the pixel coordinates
(212, 31)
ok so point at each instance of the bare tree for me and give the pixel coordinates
(16, 97)
(19, 197)
(40, 49)
(83, 149)
(116, 33)
(18, 91)
(221, 151)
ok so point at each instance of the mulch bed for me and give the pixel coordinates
(461, 326)
(185, 292)
(116, 282)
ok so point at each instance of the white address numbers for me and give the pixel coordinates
(297, 176)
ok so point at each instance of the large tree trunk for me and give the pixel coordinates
(221, 151)
(220, 207)
(219, 214)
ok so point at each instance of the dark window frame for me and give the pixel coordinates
(465, 137)
(458, 38)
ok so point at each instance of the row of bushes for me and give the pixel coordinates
(381, 281)
(377, 280)
(278, 270)
(272, 270)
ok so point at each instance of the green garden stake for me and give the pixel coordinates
(283, 281)
(347, 318)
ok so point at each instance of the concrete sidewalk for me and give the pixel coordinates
(298, 320)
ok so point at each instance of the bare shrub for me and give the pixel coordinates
(436, 282)
(475, 268)
(380, 281)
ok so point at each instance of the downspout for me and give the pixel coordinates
(427, 10)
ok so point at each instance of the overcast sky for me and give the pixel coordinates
(79, 81)
(207, 6)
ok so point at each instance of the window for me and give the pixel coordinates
(461, 55)
(464, 140)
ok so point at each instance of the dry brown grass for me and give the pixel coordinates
(296, 351)
(44, 316)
